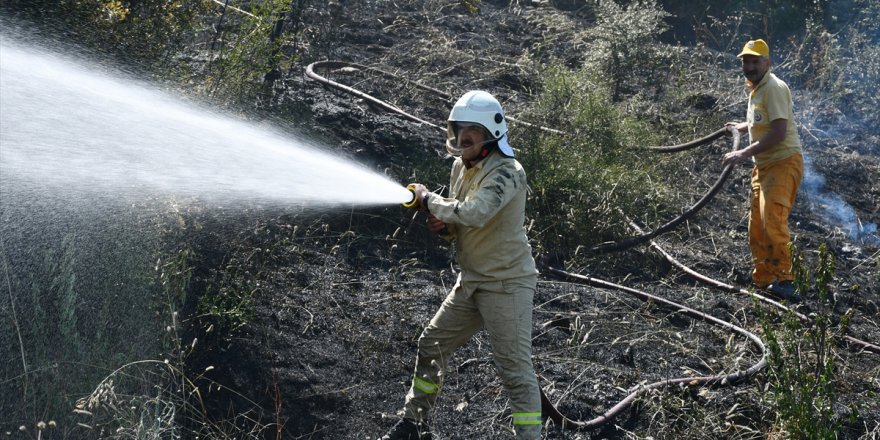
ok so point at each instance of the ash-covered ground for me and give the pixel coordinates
(341, 295)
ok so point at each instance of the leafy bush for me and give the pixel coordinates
(578, 179)
(248, 45)
(245, 50)
(146, 33)
(85, 299)
(801, 374)
(625, 51)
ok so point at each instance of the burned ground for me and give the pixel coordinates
(341, 295)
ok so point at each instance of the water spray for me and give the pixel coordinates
(79, 130)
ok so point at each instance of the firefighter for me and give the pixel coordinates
(778, 169)
(484, 216)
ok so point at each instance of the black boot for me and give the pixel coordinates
(784, 290)
(407, 429)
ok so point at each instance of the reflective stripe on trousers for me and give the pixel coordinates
(504, 308)
(526, 418)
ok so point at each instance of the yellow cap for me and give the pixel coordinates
(755, 47)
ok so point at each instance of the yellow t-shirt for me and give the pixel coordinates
(771, 100)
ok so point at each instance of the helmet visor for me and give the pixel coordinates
(455, 127)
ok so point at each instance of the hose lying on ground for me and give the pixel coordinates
(310, 72)
(550, 410)
(554, 414)
(863, 345)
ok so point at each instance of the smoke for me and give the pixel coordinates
(834, 209)
(842, 115)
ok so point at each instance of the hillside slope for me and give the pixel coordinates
(343, 294)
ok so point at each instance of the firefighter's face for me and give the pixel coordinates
(470, 139)
(755, 67)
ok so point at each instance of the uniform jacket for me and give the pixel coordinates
(485, 216)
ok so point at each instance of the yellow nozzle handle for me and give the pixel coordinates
(414, 203)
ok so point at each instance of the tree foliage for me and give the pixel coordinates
(145, 33)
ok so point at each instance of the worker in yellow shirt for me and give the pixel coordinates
(484, 216)
(778, 169)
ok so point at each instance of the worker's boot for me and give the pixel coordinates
(784, 290)
(406, 429)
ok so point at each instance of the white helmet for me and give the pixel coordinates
(481, 108)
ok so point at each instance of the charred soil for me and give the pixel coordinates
(339, 297)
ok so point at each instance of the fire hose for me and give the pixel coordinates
(864, 345)
(548, 408)
(554, 414)
(310, 72)
(672, 224)
(694, 143)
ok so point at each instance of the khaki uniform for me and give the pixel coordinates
(775, 180)
(485, 215)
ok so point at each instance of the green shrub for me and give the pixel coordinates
(246, 49)
(625, 51)
(472, 6)
(146, 33)
(579, 179)
(85, 300)
(801, 373)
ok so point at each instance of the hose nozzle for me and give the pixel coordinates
(414, 203)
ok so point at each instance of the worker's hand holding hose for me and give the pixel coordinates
(420, 201)
(420, 192)
(737, 155)
(738, 126)
(733, 158)
(436, 225)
